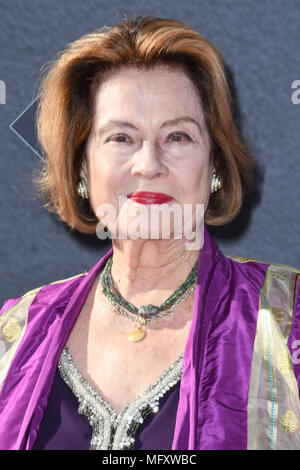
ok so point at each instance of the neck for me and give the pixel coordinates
(148, 271)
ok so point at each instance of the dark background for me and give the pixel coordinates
(259, 40)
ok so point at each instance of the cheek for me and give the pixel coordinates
(107, 178)
(195, 178)
(103, 175)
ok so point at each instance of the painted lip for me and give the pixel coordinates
(146, 197)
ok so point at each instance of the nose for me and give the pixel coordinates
(147, 161)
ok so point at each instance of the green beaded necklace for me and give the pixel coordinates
(146, 312)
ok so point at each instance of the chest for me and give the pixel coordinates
(117, 368)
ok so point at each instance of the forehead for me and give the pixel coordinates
(130, 86)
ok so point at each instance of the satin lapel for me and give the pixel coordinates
(62, 331)
(212, 411)
(50, 316)
(185, 435)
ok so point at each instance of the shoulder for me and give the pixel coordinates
(51, 293)
(271, 269)
(280, 286)
(276, 266)
(44, 302)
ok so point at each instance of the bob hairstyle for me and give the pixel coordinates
(66, 108)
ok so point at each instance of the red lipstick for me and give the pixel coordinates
(146, 197)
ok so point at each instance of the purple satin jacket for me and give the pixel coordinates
(241, 373)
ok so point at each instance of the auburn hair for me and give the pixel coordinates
(66, 108)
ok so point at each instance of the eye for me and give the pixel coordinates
(119, 138)
(179, 135)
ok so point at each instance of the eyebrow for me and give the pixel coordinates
(171, 122)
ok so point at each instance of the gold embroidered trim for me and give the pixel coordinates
(12, 330)
(284, 361)
(273, 387)
(289, 422)
(278, 314)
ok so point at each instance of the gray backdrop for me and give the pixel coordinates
(259, 40)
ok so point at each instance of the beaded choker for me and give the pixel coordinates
(141, 316)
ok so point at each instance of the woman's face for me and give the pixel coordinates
(148, 134)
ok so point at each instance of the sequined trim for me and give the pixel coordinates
(112, 431)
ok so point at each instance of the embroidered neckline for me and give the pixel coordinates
(111, 430)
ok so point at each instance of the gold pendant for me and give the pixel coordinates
(136, 335)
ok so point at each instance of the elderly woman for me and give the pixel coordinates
(163, 344)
